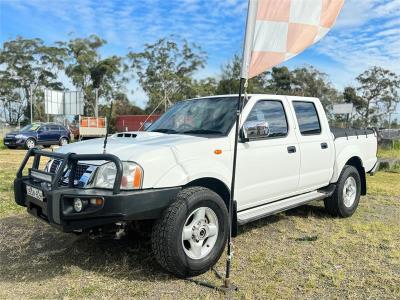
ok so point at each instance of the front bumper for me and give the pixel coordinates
(56, 205)
(12, 142)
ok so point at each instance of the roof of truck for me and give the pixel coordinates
(257, 95)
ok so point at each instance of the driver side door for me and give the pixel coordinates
(268, 168)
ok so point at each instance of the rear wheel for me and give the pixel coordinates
(63, 141)
(30, 143)
(345, 199)
(191, 235)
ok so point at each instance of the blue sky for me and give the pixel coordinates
(367, 32)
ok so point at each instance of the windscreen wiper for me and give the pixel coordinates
(203, 131)
(164, 130)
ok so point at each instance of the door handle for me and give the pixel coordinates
(291, 149)
(324, 146)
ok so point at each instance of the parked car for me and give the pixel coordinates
(31, 135)
(177, 174)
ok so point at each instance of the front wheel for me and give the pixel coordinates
(30, 143)
(345, 199)
(191, 235)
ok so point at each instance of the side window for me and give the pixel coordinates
(54, 128)
(43, 128)
(272, 112)
(307, 117)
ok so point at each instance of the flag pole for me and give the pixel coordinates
(247, 48)
(227, 282)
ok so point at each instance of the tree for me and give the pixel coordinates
(309, 82)
(280, 81)
(11, 100)
(165, 70)
(89, 72)
(28, 66)
(378, 88)
(230, 78)
(204, 87)
(121, 106)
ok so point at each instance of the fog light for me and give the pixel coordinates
(79, 204)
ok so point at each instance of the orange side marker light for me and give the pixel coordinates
(217, 151)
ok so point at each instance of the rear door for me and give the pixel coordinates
(268, 169)
(315, 142)
(55, 133)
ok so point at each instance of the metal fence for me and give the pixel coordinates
(6, 129)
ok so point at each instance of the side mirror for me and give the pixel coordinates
(253, 130)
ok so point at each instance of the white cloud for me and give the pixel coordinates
(367, 34)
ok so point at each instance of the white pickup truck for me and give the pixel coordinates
(178, 174)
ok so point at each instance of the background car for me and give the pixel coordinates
(31, 135)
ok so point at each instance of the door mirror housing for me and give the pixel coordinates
(254, 130)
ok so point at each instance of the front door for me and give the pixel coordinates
(268, 168)
(44, 135)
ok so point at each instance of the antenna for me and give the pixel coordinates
(108, 128)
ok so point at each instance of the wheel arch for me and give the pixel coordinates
(215, 185)
(219, 187)
(64, 137)
(356, 162)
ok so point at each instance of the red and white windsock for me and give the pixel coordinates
(277, 30)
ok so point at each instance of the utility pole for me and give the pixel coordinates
(96, 109)
(31, 98)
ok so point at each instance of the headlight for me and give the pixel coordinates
(19, 136)
(132, 176)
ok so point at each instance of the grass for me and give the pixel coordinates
(303, 253)
(2, 146)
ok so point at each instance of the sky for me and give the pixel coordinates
(367, 32)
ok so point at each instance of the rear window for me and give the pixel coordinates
(53, 127)
(307, 117)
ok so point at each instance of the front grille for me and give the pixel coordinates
(54, 166)
(79, 171)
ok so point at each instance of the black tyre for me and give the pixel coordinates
(191, 235)
(63, 141)
(30, 143)
(345, 199)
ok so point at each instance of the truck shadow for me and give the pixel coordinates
(314, 210)
(32, 251)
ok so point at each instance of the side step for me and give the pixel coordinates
(259, 212)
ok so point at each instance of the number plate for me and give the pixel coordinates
(6, 143)
(34, 192)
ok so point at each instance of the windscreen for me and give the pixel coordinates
(198, 116)
(30, 127)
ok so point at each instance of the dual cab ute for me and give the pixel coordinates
(178, 173)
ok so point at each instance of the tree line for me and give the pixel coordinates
(166, 70)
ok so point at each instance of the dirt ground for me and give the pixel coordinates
(301, 254)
